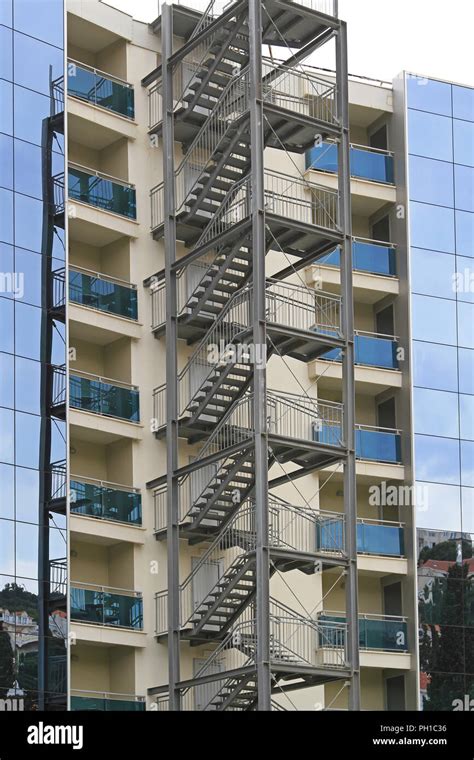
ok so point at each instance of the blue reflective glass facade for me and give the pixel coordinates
(33, 550)
(441, 188)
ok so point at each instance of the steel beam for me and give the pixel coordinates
(348, 383)
(171, 363)
(257, 147)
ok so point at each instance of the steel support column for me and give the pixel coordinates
(171, 362)
(350, 487)
(259, 339)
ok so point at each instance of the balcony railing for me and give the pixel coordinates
(105, 501)
(295, 306)
(367, 256)
(302, 201)
(374, 537)
(366, 162)
(102, 605)
(100, 89)
(371, 350)
(106, 397)
(385, 633)
(101, 190)
(372, 443)
(104, 701)
(98, 291)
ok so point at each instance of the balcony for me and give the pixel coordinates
(105, 501)
(97, 291)
(371, 350)
(98, 701)
(372, 444)
(100, 89)
(376, 632)
(90, 393)
(102, 605)
(367, 256)
(366, 163)
(374, 537)
(102, 191)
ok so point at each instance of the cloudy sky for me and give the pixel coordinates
(387, 36)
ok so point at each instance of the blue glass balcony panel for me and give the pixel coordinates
(366, 163)
(99, 191)
(96, 396)
(374, 539)
(375, 258)
(100, 90)
(106, 608)
(370, 351)
(105, 502)
(389, 635)
(104, 295)
(378, 445)
(373, 445)
(104, 704)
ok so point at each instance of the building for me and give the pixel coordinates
(257, 484)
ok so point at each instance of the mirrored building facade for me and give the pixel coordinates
(440, 145)
(33, 540)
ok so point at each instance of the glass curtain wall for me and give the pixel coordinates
(441, 191)
(33, 625)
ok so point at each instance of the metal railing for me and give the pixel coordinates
(110, 398)
(387, 633)
(106, 701)
(105, 605)
(59, 386)
(101, 190)
(59, 289)
(373, 164)
(100, 88)
(299, 91)
(99, 291)
(105, 501)
(288, 304)
(58, 576)
(292, 529)
(370, 350)
(368, 255)
(58, 481)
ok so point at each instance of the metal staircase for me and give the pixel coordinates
(225, 104)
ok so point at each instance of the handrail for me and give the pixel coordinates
(105, 74)
(100, 379)
(377, 429)
(109, 694)
(367, 616)
(106, 589)
(100, 175)
(103, 483)
(103, 277)
(381, 243)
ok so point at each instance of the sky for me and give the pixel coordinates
(387, 36)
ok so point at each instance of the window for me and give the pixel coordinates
(432, 227)
(431, 181)
(432, 273)
(467, 463)
(466, 404)
(6, 63)
(437, 459)
(466, 370)
(435, 366)
(429, 95)
(445, 422)
(6, 381)
(6, 161)
(464, 183)
(430, 135)
(463, 143)
(465, 234)
(40, 18)
(463, 103)
(466, 325)
(434, 320)
(438, 506)
(6, 107)
(33, 60)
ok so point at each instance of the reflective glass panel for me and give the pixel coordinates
(40, 18)
(6, 61)
(467, 417)
(465, 233)
(434, 320)
(463, 143)
(445, 422)
(435, 366)
(430, 135)
(6, 107)
(437, 459)
(432, 227)
(429, 95)
(464, 184)
(431, 181)
(463, 103)
(466, 370)
(466, 325)
(432, 273)
(28, 51)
